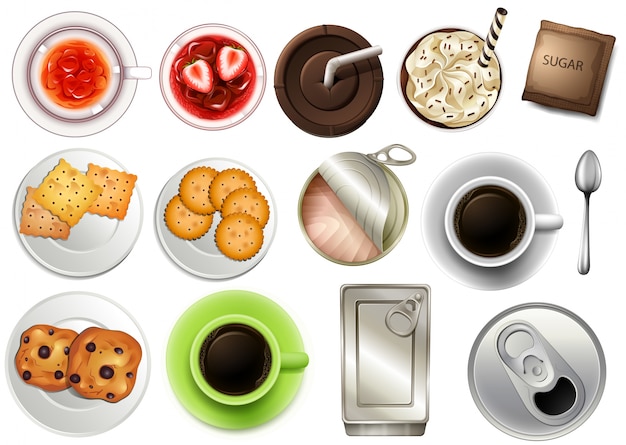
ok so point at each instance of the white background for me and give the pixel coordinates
(151, 142)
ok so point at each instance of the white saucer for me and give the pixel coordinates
(32, 41)
(433, 210)
(97, 243)
(66, 412)
(201, 257)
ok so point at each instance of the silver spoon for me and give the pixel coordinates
(588, 177)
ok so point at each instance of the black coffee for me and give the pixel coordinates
(235, 359)
(490, 221)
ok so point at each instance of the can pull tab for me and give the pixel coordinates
(522, 351)
(547, 385)
(386, 155)
(401, 319)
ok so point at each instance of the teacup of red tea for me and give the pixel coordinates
(212, 77)
(490, 221)
(76, 74)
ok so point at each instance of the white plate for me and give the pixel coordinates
(201, 257)
(442, 189)
(65, 411)
(33, 40)
(96, 243)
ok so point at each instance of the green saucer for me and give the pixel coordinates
(179, 346)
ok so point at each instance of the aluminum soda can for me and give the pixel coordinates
(536, 371)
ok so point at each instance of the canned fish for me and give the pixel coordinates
(536, 371)
(353, 209)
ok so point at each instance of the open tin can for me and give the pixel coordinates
(385, 339)
(353, 209)
(537, 371)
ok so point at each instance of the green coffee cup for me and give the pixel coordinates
(236, 359)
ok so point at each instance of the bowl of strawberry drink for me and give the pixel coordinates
(212, 77)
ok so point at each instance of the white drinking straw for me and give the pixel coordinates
(492, 37)
(356, 56)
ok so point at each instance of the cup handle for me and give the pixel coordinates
(293, 360)
(546, 221)
(137, 72)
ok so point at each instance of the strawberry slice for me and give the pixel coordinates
(198, 76)
(231, 62)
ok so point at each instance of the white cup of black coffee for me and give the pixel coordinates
(490, 221)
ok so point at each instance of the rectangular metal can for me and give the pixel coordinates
(385, 341)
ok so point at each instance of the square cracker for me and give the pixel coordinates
(67, 193)
(117, 188)
(37, 221)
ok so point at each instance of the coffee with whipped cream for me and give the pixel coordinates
(443, 83)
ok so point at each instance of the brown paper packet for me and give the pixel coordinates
(568, 68)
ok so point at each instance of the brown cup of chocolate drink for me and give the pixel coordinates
(307, 101)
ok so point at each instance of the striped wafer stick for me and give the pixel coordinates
(492, 37)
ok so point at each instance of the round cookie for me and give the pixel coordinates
(43, 356)
(239, 236)
(184, 223)
(103, 364)
(226, 181)
(250, 201)
(194, 189)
